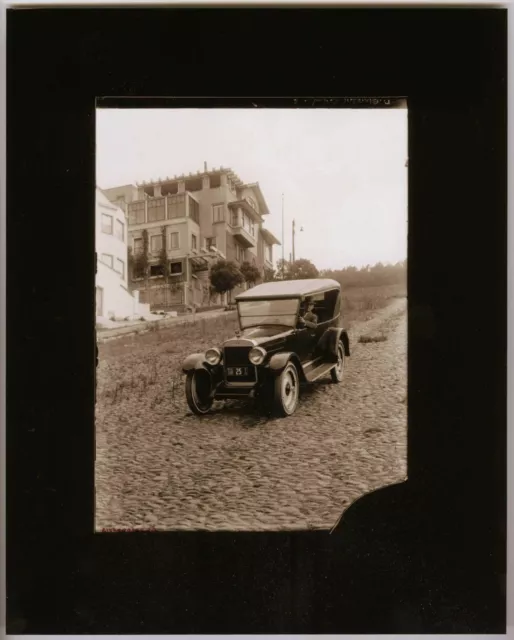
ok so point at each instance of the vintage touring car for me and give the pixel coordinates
(290, 334)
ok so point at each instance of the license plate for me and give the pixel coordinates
(237, 371)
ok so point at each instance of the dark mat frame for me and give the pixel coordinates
(424, 556)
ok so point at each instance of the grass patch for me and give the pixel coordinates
(361, 303)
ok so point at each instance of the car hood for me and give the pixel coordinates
(258, 338)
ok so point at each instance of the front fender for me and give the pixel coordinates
(194, 361)
(279, 361)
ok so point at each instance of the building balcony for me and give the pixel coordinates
(243, 236)
(245, 205)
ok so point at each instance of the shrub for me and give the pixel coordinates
(372, 338)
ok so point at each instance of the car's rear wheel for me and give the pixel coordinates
(287, 391)
(337, 373)
(198, 392)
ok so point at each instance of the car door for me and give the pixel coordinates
(305, 343)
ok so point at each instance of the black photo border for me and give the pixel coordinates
(426, 556)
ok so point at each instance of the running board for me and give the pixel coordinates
(312, 365)
(319, 371)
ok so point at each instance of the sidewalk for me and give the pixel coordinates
(139, 326)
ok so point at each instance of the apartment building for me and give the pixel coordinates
(113, 298)
(196, 219)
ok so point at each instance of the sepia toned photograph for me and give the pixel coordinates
(251, 315)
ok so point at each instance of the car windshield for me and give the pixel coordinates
(267, 312)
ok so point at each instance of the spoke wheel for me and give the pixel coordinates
(198, 389)
(337, 373)
(287, 391)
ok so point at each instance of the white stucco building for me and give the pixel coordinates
(113, 299)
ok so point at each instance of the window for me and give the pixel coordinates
(194, 210)
(240, 253)
(218, 212)
(272, 312)
(136, 211)
(174, 240)
(269, 255)
(107, 259)
(156, 243)
(138, 245)
(248, 224)
(176, 268)
(176, 206)
(210, 242)
(156, 210)
(119, 229)
(120, 267)
(235, 219)
(193, 241)
(156, 270)
(106, 223)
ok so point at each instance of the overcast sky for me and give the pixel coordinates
(342, 171)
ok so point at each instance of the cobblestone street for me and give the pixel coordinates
(160, 466)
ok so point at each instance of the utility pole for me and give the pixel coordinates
(294, 234)
(293, 239)
(283, 260)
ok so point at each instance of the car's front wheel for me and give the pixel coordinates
(337, 372)
(198, 392)
(287, 391)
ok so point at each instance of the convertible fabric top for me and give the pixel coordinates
(288, 289)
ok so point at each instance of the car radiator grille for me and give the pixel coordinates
(238, 367)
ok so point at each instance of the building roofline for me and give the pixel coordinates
(120, 186)
(269, 237)
(263, 206)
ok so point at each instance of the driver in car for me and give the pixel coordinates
(310, 319)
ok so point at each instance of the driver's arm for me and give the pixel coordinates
(311, 320)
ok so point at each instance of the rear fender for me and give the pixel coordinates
(346, 342)
(334, 336)
(278, 363)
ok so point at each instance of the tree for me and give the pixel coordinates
(302, 269)
(269, 275)
(251, 273)
(379, 274)
(130, 265)
(225, 276)
(144, 258)
(163, 256)
(138, 262)
(283, 269)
